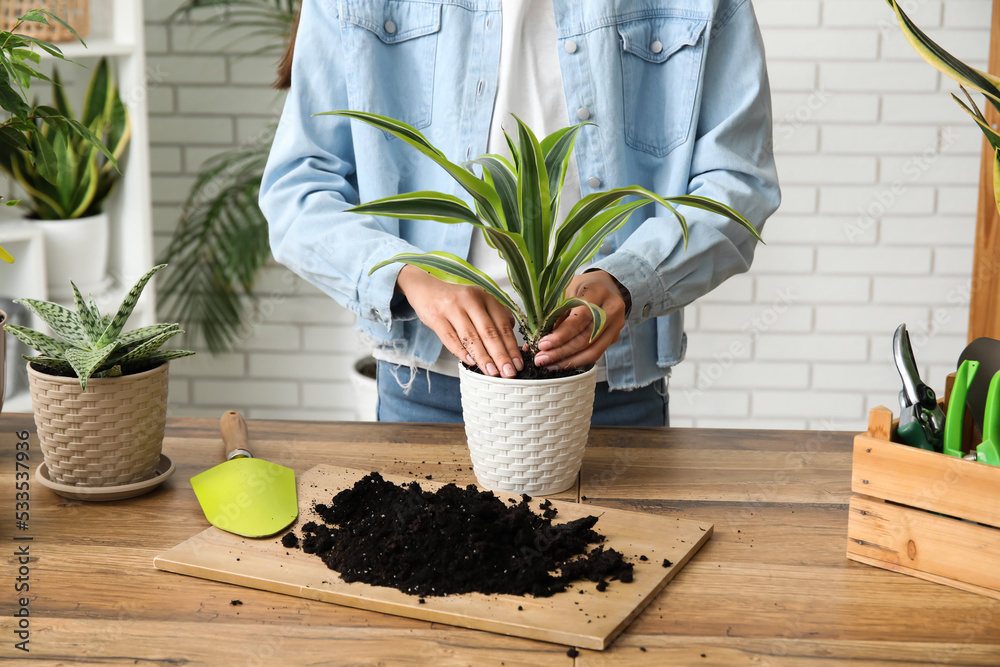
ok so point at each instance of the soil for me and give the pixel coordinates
(455, 541)
(533, 372)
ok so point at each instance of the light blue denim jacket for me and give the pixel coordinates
(679, 92)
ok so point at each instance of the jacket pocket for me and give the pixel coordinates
(661, 70)
(391, 48)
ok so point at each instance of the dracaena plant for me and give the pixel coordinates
(93, 344)
(516, 208)
(966, 76)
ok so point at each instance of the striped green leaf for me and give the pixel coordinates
(583, 248)
(991, 135)
(125, 310)
(154, 360)
(944, 62)
(143, 334)
(520, 270)
(423, 205)
(502, 177)
(558, 148)
(54, 364)
(515, 155)
(6, 256)
(145, 350)
(533, 198)
(63, 321)
(600, 317)
(483, 194)
(453, 269)
(593, 204)
(706, 204)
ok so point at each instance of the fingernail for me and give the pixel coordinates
(518, 364)
(542, 360)
(491, 369)
(544, 345)
(508, 370)
(469, 360)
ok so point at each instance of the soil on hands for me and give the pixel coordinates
(454, 541)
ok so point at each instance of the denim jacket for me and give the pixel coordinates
(678, 90)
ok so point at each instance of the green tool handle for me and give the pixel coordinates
(956, 408)
(989, 450)
(235, 436)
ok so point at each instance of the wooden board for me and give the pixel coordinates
(589, 620)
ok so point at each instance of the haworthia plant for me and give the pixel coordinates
(516, 208)
(966, 76)
(93, 344)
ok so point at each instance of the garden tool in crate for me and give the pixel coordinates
(921, 419)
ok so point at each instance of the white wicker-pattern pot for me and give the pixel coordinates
(109, 435)
(527, 436)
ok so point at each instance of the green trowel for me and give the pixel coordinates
(244, 495)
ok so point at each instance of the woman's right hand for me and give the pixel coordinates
(471, 324)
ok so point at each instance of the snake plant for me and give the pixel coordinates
(516, 208)
(18, 62)
(966, 76)
(84, 174)
(93, 344)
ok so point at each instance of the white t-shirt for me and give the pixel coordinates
(530, 85)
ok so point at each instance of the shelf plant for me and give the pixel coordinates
(19, 60)
(966, 76)
(524, 435)
(99, 393)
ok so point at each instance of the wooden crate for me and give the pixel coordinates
(921, 513)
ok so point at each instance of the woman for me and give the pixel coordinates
(679, 93)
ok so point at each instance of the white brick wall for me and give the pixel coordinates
(879, 172)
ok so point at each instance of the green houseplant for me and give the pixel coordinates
(966, 76)
(70, 207)
(536, 446)
(99, 394)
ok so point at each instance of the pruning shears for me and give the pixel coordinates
(921, 419)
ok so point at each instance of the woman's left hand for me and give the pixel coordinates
(569, 345)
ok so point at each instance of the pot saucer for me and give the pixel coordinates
(164, 469)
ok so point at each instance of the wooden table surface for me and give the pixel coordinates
(772, 587)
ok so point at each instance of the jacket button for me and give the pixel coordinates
(656, 47)
(570, 46)
(390, 27)
(594, 182)
(583, 113)
(645, 310)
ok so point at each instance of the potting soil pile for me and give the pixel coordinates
(454, 541)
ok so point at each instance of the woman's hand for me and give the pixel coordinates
(569, 345)
(472, 324)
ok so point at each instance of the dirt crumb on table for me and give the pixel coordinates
(455, 540)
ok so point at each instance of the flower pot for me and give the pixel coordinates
(527, 436)
(109, 435)
(365, 389)
(75, 250)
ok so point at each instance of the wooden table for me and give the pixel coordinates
(772, 586)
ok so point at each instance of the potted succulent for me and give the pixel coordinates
(99, 395)
(533, 443)
(69, 203)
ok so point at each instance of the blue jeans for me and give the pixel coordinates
(442, 403)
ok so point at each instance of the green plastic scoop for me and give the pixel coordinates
(244, 495)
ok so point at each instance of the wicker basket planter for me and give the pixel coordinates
(74, 12)
(527, 436)
(109, 435)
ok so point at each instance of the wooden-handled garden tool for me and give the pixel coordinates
(244, 495)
